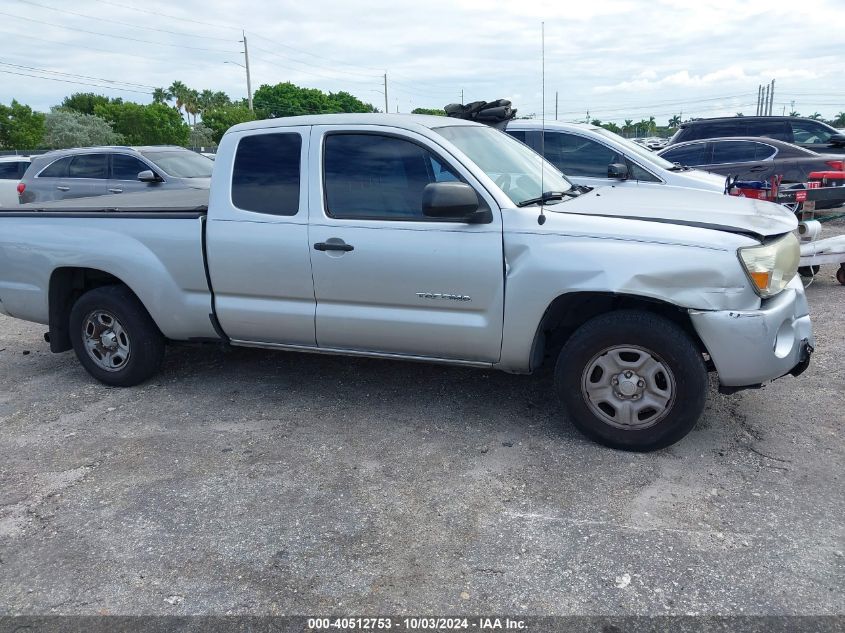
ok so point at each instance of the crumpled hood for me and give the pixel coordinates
(690, 207)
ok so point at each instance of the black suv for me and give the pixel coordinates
(808, 133)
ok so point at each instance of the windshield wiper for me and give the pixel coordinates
(548, 196)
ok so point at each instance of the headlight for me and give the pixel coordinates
(771, 266)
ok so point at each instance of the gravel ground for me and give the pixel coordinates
(251, 482)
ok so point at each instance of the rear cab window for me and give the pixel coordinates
(267, 172)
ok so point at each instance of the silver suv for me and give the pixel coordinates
(98, 171)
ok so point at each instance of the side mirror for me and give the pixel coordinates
(837, 139)
(148, 175)
(617, 171)
(453, 201)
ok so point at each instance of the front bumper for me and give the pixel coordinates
(754, 346)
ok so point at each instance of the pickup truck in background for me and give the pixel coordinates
(428, 239)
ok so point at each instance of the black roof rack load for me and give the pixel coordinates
(496, 113)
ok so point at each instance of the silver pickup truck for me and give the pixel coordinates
(428, 239)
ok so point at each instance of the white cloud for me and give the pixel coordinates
(611, 57)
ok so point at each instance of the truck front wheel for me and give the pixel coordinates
(632, 380)
(114, 337)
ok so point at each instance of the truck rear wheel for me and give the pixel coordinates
(632, 380)
(114, 337)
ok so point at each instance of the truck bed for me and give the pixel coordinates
(152, 241)
(182, 202)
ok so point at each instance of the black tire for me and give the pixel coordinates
(667, 344)
(809, 271)
(840, 274)
(144, 341)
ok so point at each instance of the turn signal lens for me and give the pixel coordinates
(771, 266)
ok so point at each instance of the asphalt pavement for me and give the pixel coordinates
(256, 482)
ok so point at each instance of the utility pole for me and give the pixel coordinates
(772, 98)
(759, 98)
(462, 96)
(386, 107)
(765, 100)
(555, 105)
(248, 80)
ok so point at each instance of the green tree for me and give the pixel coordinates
(794, 113)
(816, 116)
(675, 121)
(180, 93)
(612, 127)
(287, 99)
(201, 136)
(345, 102)
(839, 121)
(220, 119)
(434, 111)
(20, 127)
(162, 95)
(596, 122)
(629, 126)
(153, 124)
(86, 102)
(209, 99)
(68, 128)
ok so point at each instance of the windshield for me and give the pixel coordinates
(181, 164)
(637, 150)
(514, 167)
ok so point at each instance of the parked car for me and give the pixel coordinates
(429, 239)
(807, 133)
(98, 171)
(586, 153)
(753, 158)
(12, 169)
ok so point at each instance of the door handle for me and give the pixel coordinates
(333, 246)
(758, 168)
(116, 190)
(63, 188)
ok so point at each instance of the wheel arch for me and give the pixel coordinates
(67, 284)
(569, 311)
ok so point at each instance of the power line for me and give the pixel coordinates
(372, 80)
(67, 81)
(56, 72)
(134, 26)
(304, 52)
(165, 15)
(120, 37)
(133, 55)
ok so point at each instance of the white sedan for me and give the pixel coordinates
(592, 156)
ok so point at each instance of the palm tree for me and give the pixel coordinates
(740, 114)
(840, 119)
(627, 127)
(161, 95)
(816, 116)
(675, 121)
(179, 91)
(794, 113)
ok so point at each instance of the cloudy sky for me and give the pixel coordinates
(616, 59)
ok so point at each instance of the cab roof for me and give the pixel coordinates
(407, 121)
